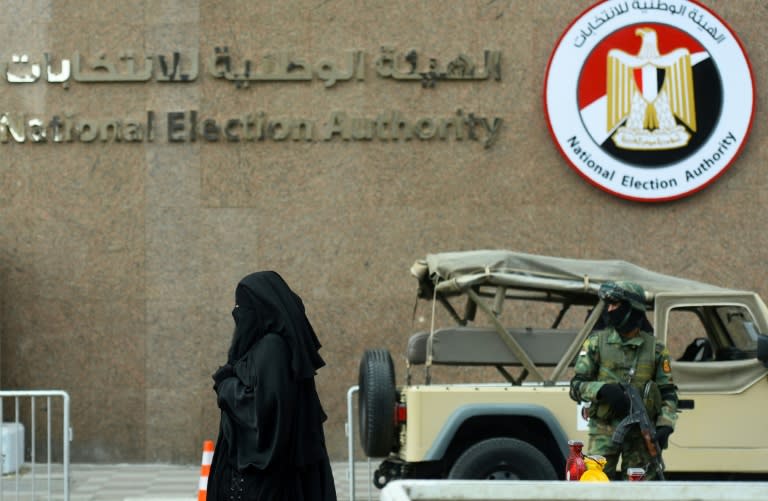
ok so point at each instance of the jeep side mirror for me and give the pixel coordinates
(762, 349)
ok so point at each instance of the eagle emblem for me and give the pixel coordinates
(649, 92)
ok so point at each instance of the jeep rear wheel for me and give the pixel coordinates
(503, 459)
(377, 402)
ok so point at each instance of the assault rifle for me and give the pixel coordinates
(639, 415)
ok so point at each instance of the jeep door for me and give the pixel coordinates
(712, 342)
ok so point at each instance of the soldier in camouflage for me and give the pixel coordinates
(625, 351)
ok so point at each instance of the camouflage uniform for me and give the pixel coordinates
(636, 358)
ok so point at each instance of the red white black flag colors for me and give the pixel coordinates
(649, 100)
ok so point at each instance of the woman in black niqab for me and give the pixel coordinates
(271, 445)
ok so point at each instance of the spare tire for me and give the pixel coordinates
(376, 405)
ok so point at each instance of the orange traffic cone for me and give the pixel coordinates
(205, 469)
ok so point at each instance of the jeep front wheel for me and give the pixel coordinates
(377, 402)
(502, 459)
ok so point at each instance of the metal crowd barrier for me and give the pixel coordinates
(349, 428)
(34, 442)
(498, 490)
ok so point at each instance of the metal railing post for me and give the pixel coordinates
(351, 442)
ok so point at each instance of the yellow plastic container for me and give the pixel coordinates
(594, 473)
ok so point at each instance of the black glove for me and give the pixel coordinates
(222, 373)
(662, 435)
(613, 395)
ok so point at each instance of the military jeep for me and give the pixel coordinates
(485, 391)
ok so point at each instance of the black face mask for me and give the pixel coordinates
(624, 318)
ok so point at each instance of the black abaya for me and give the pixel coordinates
(271, 445)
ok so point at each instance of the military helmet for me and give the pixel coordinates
(631, 292)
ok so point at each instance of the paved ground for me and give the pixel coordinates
(148, 482)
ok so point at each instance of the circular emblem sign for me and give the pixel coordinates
(650, 100)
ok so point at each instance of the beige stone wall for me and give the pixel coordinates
(118, 261)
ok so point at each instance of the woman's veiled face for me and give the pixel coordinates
(265, 304)
(248, 315)
(236, 314)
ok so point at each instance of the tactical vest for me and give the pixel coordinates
(632, 361)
